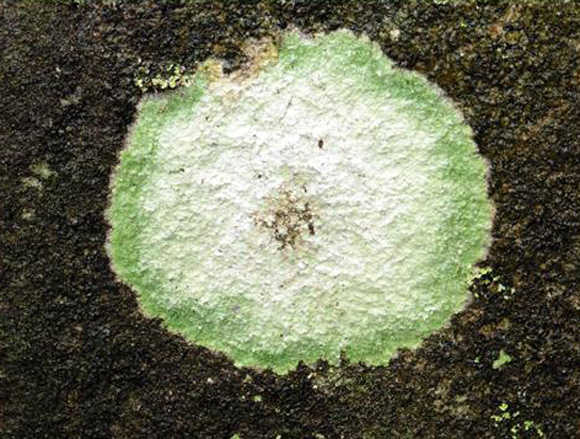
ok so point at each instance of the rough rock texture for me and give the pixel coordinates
(79, 360)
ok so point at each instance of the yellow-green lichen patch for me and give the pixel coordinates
(502, 358)
(324, 202)
(517, 426)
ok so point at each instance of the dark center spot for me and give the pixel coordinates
(288, 218)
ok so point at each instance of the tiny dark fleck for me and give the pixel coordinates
(320, 143)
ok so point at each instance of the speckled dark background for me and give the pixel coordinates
(79, 361)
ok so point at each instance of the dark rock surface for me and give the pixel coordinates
(79, 360)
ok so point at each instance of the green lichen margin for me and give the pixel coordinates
(463, 233)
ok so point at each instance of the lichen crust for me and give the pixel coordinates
(328, 203)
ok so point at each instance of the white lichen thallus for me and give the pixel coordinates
(326, 202)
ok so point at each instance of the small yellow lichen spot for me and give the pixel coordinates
(212, 70)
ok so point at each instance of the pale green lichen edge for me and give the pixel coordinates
(466, 171)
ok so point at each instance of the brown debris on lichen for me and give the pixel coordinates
(288, 217)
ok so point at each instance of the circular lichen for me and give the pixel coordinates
(326, 202)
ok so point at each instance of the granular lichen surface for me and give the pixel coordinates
(80, 360)
(328, 203)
